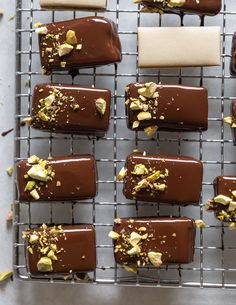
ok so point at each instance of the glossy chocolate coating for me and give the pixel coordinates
(202, 7)
(184, 182)
(77, 175)
(173, 237)
(233, 56)
(224, 185)
(99, 39)
(183, 108)
(85, 120)
(79, 254)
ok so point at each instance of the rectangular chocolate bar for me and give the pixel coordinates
(60, 249)
(202, 7)
(153, 241)
(73, 4)
(160, 178)
(224, 202)
(161, 47)
(233, 56)
(231, 120)
(170, 107)
(84, 42)
(57, 179)
(71, 109)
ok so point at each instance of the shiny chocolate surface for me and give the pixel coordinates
(76, 175)
(177, 107)
(72, 111)
(183, 183)
(98, 37)
(174, 238)
(78, 254)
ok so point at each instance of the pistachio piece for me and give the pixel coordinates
(49, 100)
(228, 120)
(122, 174)
(35, 194)
(150, 130)
(135, 124)
(101, 105)
(9, 171)
(79, 47)
(37, 172)
(5, 275)
(134, 238)
(176, 3)
(139, 169)
(155, 258)
(117, 221)
(33, 239)
(131, 268)
(27, 121)
(30, 185)
(134, 251)
(52, 255)
(136, 105)
(200, 224)
(58, 183)
(71, 37)
(152, 178)
(222, 199)
(160, 187)
(113, 235)
(232, 226)
(33, 159)
(232, 206)
(148, 90)
(63, 64)
(143, 184)
(64, 49)
(41, 30)
(142, 229)
(44, 264)
(144, 116)
(234, 193)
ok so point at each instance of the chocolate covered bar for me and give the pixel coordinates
(153, 241)
(231, 120)
(57, 179)
(159, 178)
(224, 202)
(178, 46)
(233, 56)
(202, 7)
(84, 42)
(60, 249)
(151, 107)
(71, 109)
(74, 4)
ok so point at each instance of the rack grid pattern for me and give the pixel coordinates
(214, 264)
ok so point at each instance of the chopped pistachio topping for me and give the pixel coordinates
(42, 30)
(222, 199)
(134, 238)
(65, 49)
(101, 105)
(139, 169)
(131, 268)
(134, 251)
(34, 193)
(33, 159)
(150, 130)
(122, 174)
(143, 116)
(232, 206)
(155, 258)
(113, 235)
(71, 37)
(79, 46)
(200, 224)
(5, 275)
(135, 124)
(232, 226)
(44, 265)
(38, 172)
(9, 171)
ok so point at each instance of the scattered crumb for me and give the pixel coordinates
(9, 171)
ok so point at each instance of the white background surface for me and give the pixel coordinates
(21, 293)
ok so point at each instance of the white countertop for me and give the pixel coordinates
(21, 293)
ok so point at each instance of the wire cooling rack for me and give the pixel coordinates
(214, 262)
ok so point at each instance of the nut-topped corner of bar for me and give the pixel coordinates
(231, 120)
(60, 249)
(224, 202)
(202, 7)
(72, 4)
(71, 109)
(73, 44)
(140, 242)
(56, 179)
(161, 178)
(152, 107)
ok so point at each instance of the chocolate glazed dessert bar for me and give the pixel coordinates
(231, 120)
(153, 241)
(77, 43)
(60, 249)
(71, 109)
(224, 202)
(57, 179)
(202, 7)
(164, 179)
(74, 4)
(151, 107)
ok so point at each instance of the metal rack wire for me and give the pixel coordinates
(214, 264)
